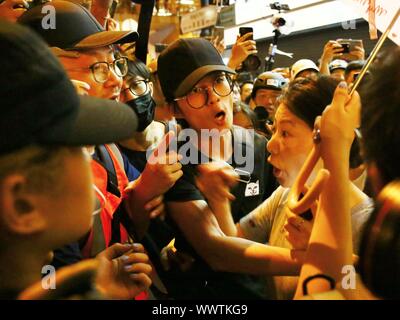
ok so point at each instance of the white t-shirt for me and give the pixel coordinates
(265, 224)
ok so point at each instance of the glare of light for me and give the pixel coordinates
(129, 24)
(163, 12)
(186, 2)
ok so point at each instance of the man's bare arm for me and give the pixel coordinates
(231, 254)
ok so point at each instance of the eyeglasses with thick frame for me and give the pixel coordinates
(138, 87)
(198, 97)
(101, 69)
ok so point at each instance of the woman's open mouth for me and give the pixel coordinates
(277, 172)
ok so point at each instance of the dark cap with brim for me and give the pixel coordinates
(74, 27)
(106, 38)
(40, 106)
(198, 74)
(97, 121)
(184, 63)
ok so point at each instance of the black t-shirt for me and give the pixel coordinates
(201, 281)
(248, 195)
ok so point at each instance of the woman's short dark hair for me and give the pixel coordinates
(308, 97)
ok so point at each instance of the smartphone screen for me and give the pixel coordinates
(244, 30)
(219, 32)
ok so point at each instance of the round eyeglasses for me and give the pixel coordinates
(198, 97)
(101, 70)
(138, 87)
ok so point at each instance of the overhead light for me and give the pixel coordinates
(163, 12)
(129, 24)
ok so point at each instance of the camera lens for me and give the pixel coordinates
(346, 48)
(252, 63)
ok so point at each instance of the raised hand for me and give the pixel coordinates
(163, 168)
(123, 271)
(215, 179)
(339, 120)
(241, 50)
(144, 195)
(332, 49)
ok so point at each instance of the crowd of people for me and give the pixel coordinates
(172, 180)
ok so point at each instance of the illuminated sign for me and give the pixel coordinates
(203, 18)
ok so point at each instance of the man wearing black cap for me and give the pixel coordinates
(86, 51)
(46, 196)
(195, 80)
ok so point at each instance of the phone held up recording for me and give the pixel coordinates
(252, 62)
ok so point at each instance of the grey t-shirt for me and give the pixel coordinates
(265, 224)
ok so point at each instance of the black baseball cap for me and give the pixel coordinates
(184, 63)
(75, 27)
(39, 104)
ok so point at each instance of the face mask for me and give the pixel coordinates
(144, 107)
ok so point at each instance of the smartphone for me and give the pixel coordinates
(219, 32)
(349, 44)
(245, 30)
(113, 8)
(252, 62)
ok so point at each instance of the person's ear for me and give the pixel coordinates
(151, 87)
(21, 214)
(375, 177)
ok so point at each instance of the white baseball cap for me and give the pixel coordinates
(337, 64)
(301, 65)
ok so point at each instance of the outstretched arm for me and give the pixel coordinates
(231, 254)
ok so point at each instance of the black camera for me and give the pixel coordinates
(279, 7)
(346, 47)
(349, 45)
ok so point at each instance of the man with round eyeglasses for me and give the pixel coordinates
(205, 263)
(198, 97)
(101, 69)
